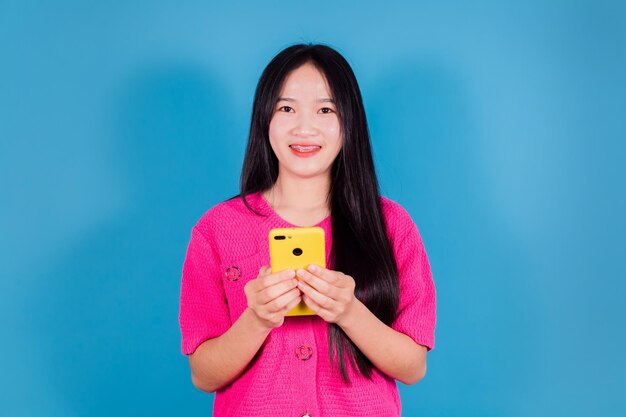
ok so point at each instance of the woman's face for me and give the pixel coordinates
(305, 131)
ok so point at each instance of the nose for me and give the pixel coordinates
(305, 126)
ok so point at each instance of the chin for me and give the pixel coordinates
(307, 172)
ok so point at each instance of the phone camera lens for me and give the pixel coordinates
(297, 251)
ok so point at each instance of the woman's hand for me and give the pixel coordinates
(272, 296)
(330, 294)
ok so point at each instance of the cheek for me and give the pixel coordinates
(274, 134)
(277, 130)
(332, 129)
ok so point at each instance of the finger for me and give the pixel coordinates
(257, 284)
(270, 293)
(328, 275)
(275, 278)
(319, 284)
(265, 270)
(311, 304)
(322, 300)
(279, 303)
(292, 304)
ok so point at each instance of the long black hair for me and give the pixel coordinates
(360, 245)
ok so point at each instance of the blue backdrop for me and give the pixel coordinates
(499, 127)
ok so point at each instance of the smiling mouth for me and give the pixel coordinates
(305, 148)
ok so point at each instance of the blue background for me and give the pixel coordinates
(500, 127)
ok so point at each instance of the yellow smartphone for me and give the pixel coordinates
(294, 248)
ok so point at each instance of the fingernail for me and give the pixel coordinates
(291, 273)
(312, 268)
(300, 272)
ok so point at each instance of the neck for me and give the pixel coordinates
(302, 194)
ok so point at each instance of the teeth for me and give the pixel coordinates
(299, 148)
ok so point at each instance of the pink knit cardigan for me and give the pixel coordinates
(291, 375)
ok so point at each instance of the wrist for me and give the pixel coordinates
(255, 322)
(350, 318)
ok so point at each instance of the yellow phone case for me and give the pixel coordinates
(294, 248)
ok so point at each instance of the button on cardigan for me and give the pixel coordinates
(291, 374)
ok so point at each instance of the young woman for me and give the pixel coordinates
(308, 163)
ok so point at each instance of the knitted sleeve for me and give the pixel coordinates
(416, 311)
(203, 309)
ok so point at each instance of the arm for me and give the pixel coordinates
(331, 295)
(218, 361)
(394, 353)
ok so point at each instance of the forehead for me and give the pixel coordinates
(305, 80)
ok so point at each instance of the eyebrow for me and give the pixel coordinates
(321, 100)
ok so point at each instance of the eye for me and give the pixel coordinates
(286, 109)
(326, 110)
